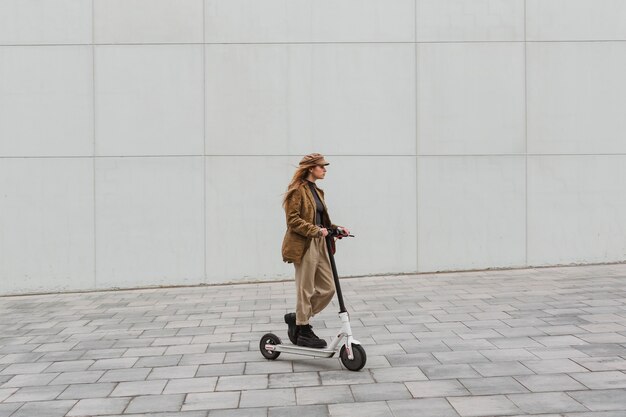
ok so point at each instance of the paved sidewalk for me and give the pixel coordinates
(526, 342)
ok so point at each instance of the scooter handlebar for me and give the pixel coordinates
(337, 232)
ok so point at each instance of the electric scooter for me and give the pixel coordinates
(350, 350)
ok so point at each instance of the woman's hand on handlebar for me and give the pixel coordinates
(324, 231)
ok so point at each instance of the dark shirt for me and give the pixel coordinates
(319, 207)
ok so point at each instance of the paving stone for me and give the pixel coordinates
(602, 338)
(316, 364)
(501, 369)
(187, 385)
(70, 366)
(549, 382)
(469, 345)
(42, 393)
(371, 409)
(343, 377)
(155, 403)
(125, 375)
(172, 372)
(83, 391)
(549, 402)
(380, 392)
(104, 353)
(119, 363)
(144, 351)
(602, 400)
(507, 355)
(211, 401)
(96, 406)
(423, 407)
(187, 349)
(566, 340)
(44, 409)
(130, 389)
(269, 367)
(493, 386)
(246, 356)
(293, 380)
(221, 369)
(515, 343)
(242, 382)
(611, 363)
(62, 356)
(25, 368)
(29, 380)
(400, 374)
(601, 380)
(324, 395)
(19, 357)
(445, 388)
(268, 398)
(449, 371)
(558, 353)
(602, 349)
(7, 409)
(239, 412)
(6, 392)
(553, 366)
(158, 361)
(81, 377)
(413, 359)
(465, 356)
(299, 410)
(202, 358)
(489, 405)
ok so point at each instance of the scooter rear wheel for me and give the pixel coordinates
(359, 360)
(269, 339)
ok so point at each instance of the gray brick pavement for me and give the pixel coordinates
(548, 341)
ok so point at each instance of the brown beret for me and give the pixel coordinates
(313, 159)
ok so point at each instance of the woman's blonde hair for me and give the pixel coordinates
(299, 178)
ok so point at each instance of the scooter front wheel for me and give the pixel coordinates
(359, 360)
(265, 345)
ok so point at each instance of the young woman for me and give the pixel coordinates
(304, 245)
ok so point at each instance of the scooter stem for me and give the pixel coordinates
(342, 307)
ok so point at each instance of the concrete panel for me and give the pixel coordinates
(46, 101)
(471, 212)
(576, 209)
(375, 197)
(47, 224)
(288, 99)
(29, 22)
(470, 20)
(575, 20)
(149, 221)
(576, 97)
(245, 221)
(471, 98)
(148, 21)
(247, 99)
(250, 21)
(149, 100)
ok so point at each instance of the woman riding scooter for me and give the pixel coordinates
(304, 245)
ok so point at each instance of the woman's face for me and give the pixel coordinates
(318, 172)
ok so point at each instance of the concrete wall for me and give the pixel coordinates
(148, 142)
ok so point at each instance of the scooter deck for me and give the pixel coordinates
(301, 350)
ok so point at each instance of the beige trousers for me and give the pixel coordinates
(315, 286)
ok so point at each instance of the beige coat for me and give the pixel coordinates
(301, 228)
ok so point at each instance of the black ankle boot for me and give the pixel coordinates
(307, 338)
(292, 329)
